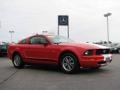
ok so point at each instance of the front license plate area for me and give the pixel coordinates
(108, 59)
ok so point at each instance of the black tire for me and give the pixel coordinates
(95, 68)
(17, 61)
(69, 63)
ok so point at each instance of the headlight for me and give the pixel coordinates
(88, 53)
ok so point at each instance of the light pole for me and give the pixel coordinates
(106, 15)
(44, 32)
(11, 32)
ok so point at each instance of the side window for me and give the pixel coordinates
(22, 41)
(38, 40)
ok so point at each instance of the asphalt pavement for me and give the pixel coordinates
(50, 78)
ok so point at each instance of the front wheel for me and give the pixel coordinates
(17, 61)
(69, 63)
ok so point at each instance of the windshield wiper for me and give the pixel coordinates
(57, 42)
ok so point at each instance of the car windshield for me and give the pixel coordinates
(3, 46)
(118, 45)
(115, 45)
(60, 39)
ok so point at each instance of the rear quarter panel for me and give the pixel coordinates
(19, 48)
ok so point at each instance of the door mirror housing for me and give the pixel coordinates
(45, 42)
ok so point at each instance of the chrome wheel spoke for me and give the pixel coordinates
(65, 64)
(17, 60)
(69, 67)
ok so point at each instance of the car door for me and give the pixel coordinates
(37, 48)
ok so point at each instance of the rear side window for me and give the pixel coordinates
(22, 41)
(38, 40)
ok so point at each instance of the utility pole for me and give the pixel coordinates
(11, 33)
(107, 15)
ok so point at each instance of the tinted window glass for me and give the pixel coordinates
(3, 46)
(38, 40)
(22, 41)
(60, 39)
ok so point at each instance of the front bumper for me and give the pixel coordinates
(95, 61)
(104, 63)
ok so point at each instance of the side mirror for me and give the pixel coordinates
(45, 42)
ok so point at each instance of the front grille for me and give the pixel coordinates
(102, 51)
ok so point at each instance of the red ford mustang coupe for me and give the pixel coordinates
(67, 54)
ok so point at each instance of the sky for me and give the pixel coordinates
(86, 19)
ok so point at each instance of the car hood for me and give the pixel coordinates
(85, 45)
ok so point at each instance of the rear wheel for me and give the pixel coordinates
(17, 61)
(69, 63)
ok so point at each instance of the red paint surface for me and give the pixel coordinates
(50, 53)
